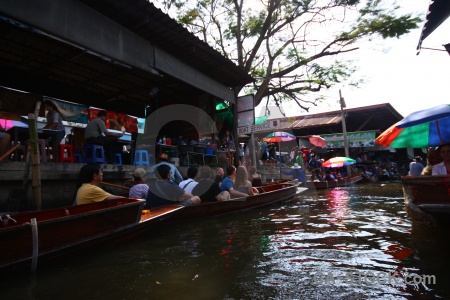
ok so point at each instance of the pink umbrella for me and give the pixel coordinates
(6, 124)
(317, 140)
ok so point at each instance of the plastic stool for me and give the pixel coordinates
(78, 158)
(62, 158)
(141, 158)
(94, 154)
(117, 159)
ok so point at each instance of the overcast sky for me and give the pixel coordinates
(395, 74)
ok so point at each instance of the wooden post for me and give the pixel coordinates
(35, 161)
(344, 130)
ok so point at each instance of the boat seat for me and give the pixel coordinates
(257, 182)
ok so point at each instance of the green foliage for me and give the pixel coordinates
(290, 46)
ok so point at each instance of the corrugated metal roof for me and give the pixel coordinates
(307, 121)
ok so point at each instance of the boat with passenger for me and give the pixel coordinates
(269, 193)
(27, 236)
(333, 184)
(427, 194)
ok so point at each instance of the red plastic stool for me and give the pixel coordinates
(63, 157)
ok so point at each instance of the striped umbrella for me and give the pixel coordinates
(421, 129)
(337, 162)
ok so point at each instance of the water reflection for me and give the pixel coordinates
(353, 243)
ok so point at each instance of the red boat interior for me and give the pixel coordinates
(19, 219)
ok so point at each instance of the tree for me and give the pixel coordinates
(290, 47)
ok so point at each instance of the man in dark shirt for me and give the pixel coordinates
(165, 192)
(96, 133)
(208, 189)
(219, 176)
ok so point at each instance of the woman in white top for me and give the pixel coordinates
(443, 168)
(189, 184)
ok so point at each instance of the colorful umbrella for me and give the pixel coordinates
(337, 162)
(6, 124)
(317, 140)
(279, 136)
(432, 114)
(421, 129)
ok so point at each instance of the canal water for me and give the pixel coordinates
(355, 242)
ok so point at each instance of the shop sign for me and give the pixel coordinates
(355, 139)
(270, 125)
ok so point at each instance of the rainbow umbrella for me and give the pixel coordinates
(279, 136)
(421, 129)
(337, 162)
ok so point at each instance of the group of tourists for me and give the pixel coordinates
(438, 162)
(200, 185)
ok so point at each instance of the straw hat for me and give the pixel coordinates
(139, 173)
(296, 166)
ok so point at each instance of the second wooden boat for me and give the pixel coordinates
(427, 194)
(271, 193)
(332, 184)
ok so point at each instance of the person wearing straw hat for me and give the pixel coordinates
(140, 188)
(297, 173)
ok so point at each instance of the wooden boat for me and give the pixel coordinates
(332, 184)
(427, 194)
(269, 193)
(26, 236)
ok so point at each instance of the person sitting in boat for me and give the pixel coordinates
(219, 176)
(242, 184)
(329, 176)
(254, 177)
(207, 189)
(165, 192)
(315, 169)
(443, 168)
(415, 167)
(140, 188)
(297, 173)
(189, 183)
(385, 175)
(163, 159)
(227, 184)
(433, 158)
(88, 190)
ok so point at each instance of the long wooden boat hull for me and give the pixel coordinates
(427, 194)
(269, 194)
(333, 184)
(71, 227)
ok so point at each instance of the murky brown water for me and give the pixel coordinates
(348, 243)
